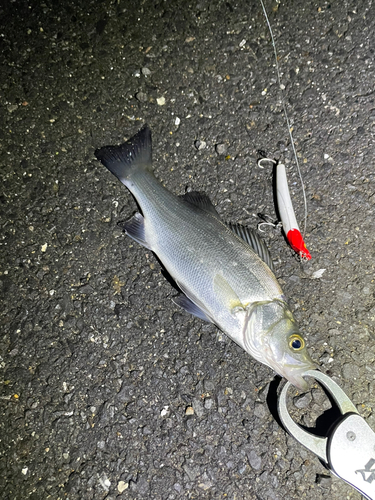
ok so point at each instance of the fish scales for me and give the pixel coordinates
(194, 246)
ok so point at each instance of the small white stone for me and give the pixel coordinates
(177, 121)
(44, 247)
(164, 411)
(12, 107)
(189, 410)
(318, 274)
(122, 486)
(25, 470)
(160, 101)
(105, 483)
(208, 403)
(200, 145)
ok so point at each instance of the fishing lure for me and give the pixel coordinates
(286, 211)
(287, 215)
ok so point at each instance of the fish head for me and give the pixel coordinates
(290, 357)
(278, 342)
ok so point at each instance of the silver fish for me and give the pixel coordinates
(221, 276)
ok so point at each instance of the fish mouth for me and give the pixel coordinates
(294, 369)
(294, 374)
(291, 368)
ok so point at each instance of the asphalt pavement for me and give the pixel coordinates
(109, 390)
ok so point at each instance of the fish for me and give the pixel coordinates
(223, 271)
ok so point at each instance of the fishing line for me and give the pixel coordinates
(286, 116)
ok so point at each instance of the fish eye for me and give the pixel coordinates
(296, 342)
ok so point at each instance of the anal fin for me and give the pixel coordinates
(135, 228)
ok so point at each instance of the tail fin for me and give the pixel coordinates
(130, 156)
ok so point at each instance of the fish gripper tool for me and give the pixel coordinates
(348, 450)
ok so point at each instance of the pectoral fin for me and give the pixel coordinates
(225, 293)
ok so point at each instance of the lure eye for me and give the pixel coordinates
(296, 342)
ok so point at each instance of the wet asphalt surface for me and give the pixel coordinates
(109, 390)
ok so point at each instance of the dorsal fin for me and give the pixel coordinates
(254, 241)
(200, 200)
